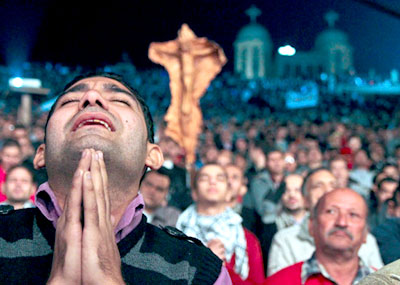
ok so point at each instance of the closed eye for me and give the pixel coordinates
(67, 101)
(125, 102)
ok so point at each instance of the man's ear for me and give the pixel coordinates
(154, 158)
(39, 160)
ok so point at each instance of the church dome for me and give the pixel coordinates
(253, 31)
(331, 37)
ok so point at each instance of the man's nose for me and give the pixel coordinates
(213, 180)
(341, 220)
(93, 97)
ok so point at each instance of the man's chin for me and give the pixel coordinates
(293, 210)
(95, 142)
(18, 200)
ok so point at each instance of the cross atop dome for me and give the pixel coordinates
(331, 17)
(253, 12)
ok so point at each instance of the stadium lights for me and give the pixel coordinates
(287, 50)
(19, 82)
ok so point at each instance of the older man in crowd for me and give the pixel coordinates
(295, 243)
(338, 224)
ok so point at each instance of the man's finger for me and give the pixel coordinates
(91, 216)
(104, 176)
(97, 181)
(73, 202)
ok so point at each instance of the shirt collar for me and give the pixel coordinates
(304, 233)
(313, 267)
(47, 204)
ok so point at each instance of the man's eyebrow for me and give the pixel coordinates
(77, 88)
(114, 88)
(111, 87)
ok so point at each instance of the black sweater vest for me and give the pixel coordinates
(148, 254)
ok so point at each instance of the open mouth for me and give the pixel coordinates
(93, 120)
(93, 123)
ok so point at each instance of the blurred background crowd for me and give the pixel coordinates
(247, 124)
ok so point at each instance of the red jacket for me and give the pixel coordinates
(291, 275)
(256, 266)
(2, 180)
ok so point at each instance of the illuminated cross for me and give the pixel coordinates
(253, 12)
(331, 17)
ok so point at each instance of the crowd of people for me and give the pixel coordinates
(278, 195)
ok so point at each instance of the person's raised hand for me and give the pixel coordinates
(66, 266)
(217, 247)
(101, 262)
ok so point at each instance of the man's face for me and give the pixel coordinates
(340, 224)
(340, 171)
(235, 179)
(355, 144)
(318, 184)
(212, 185)
(18, 186)
(241, 145)
(361, 159)
(391, 171)
(10, 156)
(292, 198)
(386, 191)
(224, 158)
(211, 155)
(314, 155)
(20, 133)
(99, 113)
(275, 162)
(154, 189)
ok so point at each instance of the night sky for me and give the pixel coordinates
(72, 33)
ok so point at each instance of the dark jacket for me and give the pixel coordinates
(148, 254)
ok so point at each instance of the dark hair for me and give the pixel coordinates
(307, 177)
(337, 158)
(143, 106)
(375, 178)
(386, 179)
(388, 164)
(12, 168)
(272, 149)
(162, 171)
(11, 142)
(19, 126)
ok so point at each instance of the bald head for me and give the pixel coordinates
(339, 223)
(342, 194)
